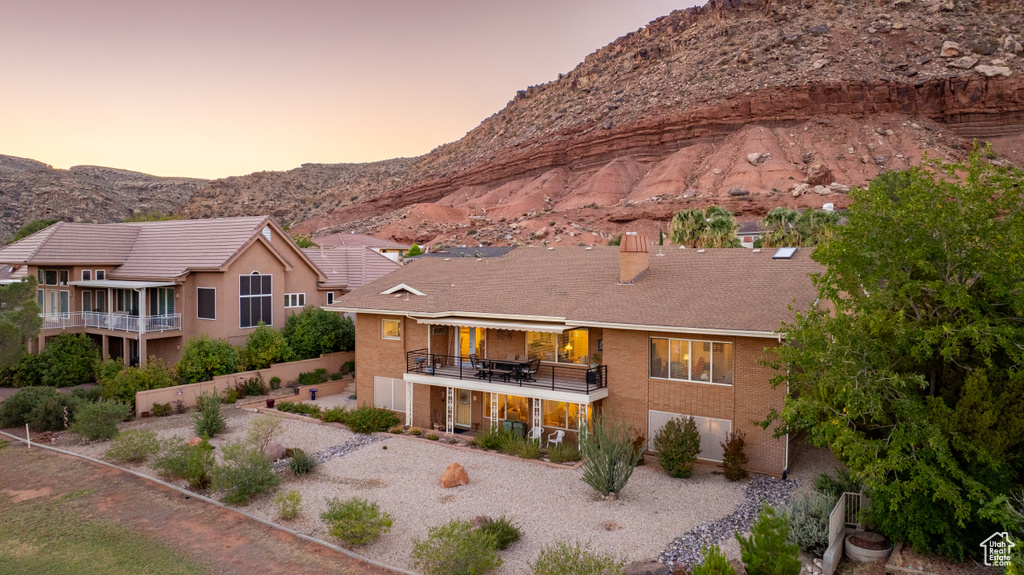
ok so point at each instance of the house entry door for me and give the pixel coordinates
(464, 408)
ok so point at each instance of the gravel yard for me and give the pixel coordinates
(401, 474)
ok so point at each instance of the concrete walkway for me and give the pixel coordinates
(338, 399)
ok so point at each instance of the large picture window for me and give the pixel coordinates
(206, 301)
(572, 346)
(513, 407)
(391, 328)
(255, 300)
(389, 393)
(713, 432)
(691, 360)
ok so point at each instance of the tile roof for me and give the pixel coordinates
(350, 267)
(139, 249)
(357, 241)
(725, 289)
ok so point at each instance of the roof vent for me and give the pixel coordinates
(756, 250)
(700, 251)
(784, 254)
(551, 249)
(588, 248)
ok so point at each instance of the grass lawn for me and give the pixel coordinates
(55, 536)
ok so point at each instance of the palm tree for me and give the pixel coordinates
(780, 228)
(815, 226)
(713, 227)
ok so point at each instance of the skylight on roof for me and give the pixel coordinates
(784, 254)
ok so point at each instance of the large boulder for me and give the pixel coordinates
(274, 451)
(819, 175)
(454, 476)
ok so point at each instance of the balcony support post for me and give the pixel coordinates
(449, 420)
(408, 403)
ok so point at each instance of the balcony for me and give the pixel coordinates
(113, 321)
(569, 378)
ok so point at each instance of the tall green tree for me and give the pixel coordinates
(793, 228)
(915, 377)
(31, 228)
(19, 320)
(711, 227)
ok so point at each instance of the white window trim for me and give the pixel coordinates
(558, 345)
(689, 365)
(96, 274)
(650, 438)
(214, 318)
(300, 299)
(85, 279)
(92, 295)
(382, 336)
(271, 294)
(330, 298)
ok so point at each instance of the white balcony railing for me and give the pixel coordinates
(112, 321)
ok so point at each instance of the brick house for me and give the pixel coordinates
(545, 337)
(142, 289)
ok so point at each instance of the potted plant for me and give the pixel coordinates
(270, 403)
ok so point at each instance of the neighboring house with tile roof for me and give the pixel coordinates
(141, 289)
(543, 337)
(347, 268)
(392, 249)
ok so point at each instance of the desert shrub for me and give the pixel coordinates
(127, 381)
(315, 331)
(369, 419)
(563, 453)
(192, 463)
(99, 420)
(714, 563)
(336, 376)
(26, 373)
(265, 346)
(520, 447)
(348, 367)
(69, 359)
(288, 504)
(301, 462)
(493, 438)
(335, 415)
(765, 551)
(432, 436)
(396, 429)
(355, 521)
(640, 445)
(262, 431)
(609, 457)
(835, 485)
(807, 515)
(415, 431)
(455, 548)
(299, 407)
(133, 446)
(244, 474)
(231, 396)
(107, 369)
(564, 558)
(275, 382)
(161, 409)
(89, 394)
(203, 358)
(678, 444)
(501, 529)
(254, 385)
(208, 421)
(313, 377)
(15, 411)
(54, 413)
(733, 457)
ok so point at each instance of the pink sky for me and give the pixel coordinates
(219, 88)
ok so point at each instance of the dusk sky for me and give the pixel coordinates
(219, 88)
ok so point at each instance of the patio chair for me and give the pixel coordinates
(536, 433)
(529, 370)
(556, 438)
(480, 366)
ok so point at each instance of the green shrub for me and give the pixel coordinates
(299, 407)
(315, 331)
(301, 462)
(99, 420)
(432, 436)
(262, 431)
(512, 444)
(714, 563)
(231, 396)
(107, 369)
(133, 446)
(396, 429)
(89, 394)
(265, 346)
(807, 515)
(203, 358)
(54, 413)
(26, 373)
(69, 359)
(15, 411)
(608, 456)
(275, 382)
(335, 415)
(370, 419)
(563, 453)
(493, 438)
(415, 431)
(678, 444)
(503, 531)
(194, 463)
(313, 377)
(733, 457)
(765, 551)
(244, 474)
(640, 445)
(161, 409)
(563, 558)
(355, 521)
(127, 381)
(208, 421)
(835, 485)
(348, 367)
(253, 386)
(288, 504)
(455, 548)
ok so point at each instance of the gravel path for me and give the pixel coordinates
(401, 474)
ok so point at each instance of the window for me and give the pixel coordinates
(86, 275)
(255, 300)
(100, 303)
(161, 301)
(126, 301)
(561, 414)
(206, 303)
(51, 277)
(391, 329)
(101, 275)
(713, 432)
(39, 299)
(64, 277)
(472, 340)
(294, 300)
(572, 346)
(513, 407)
(705, 361)
(65, 302)
(389, 393)
(87, 300)
(330, 297)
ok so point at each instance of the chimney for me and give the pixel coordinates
(633, 257)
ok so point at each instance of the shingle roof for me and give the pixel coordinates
(726, 289)
(357, 241)
(141, 250)
(477, 252)
(350, 267)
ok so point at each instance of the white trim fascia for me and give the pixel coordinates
(401, 287)
(677, 329)
(524, 391)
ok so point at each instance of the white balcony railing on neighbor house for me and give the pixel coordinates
(112, 321)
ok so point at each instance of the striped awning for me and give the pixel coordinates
(460, 321)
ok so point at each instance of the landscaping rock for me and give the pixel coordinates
(193, 442)
(454, 476)
(275, 451)
(646, 568)
(950, 49)
(819, 175)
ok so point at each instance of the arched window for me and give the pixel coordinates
(255, 299)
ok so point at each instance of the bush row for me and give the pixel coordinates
(365, 419)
